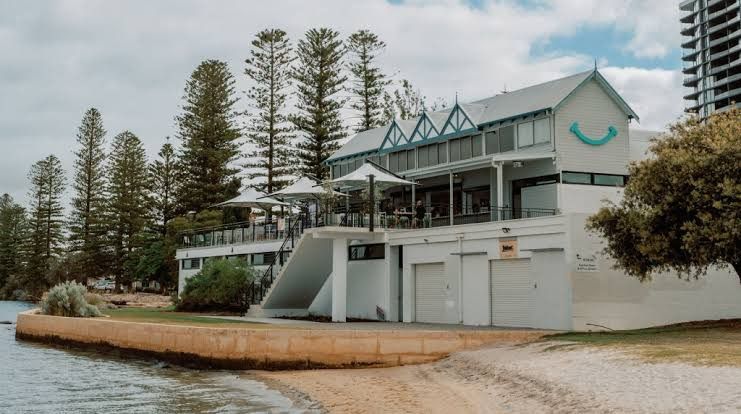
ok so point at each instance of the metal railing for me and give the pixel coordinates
(234, 233)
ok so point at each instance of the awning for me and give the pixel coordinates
(253, 199)
(360, 178)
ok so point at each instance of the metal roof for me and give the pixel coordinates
(544, 96)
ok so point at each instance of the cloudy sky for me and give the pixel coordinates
(130, 59)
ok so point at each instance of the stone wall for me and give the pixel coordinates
(242, 348)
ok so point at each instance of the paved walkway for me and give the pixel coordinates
(391, 326)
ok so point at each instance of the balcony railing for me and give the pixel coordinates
(234, 233)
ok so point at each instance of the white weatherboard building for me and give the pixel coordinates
(506, 184)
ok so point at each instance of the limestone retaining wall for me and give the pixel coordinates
(241, 348)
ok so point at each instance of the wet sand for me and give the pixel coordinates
(523, 379)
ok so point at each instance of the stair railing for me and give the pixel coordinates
(257, 288)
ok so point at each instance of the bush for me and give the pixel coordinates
(68, 299)
(220, 285)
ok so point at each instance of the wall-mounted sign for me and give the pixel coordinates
(611, 133)
(587, 262)
(508, 249)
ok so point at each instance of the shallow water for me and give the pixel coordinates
(36, 378)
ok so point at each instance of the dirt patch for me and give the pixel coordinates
(138, 300)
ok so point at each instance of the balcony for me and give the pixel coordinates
(690, 81)
(233, 234)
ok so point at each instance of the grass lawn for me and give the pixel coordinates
(170, 317)
(707, 342)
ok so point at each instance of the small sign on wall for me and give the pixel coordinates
(508, 249)
(587, 262)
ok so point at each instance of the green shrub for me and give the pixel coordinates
(68, 299)
(220, 285)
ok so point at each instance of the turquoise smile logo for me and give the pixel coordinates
(611, 133)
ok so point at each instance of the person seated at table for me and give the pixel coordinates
(419, 214)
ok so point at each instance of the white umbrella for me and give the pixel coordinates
(360, 178)
(253, 199)
(302, 189)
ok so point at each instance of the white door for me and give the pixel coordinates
(511, 292)
(430, 293)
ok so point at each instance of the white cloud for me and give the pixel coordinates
(131, 58)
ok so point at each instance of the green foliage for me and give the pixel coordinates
(319, 79)
(209, 133)
(268, 130)
(682, 206)
(152, 262)
(87, 218)
(368, 81)
(163, 181)
(129, 202)
(46, 239)
(13, 230)
(220, 285)
(68, 299)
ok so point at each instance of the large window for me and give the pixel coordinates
(465, 148)
(492, 142)
(401, 161)
(455, 150)
(507, 138)
(610, 180)
(542, 131)
(476, 146)
(422, 156)
(367, 251)
(524, 134)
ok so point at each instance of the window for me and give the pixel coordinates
(611, 180)
(384, 161)
(402, 160)
(524, 134)
(476, 149)
(442, 153)
(394, 162)
(465, 148)
(359, 163)
(343, 169)
(367, 251)
(422, 155)
(542, 131)
(189, 264)
(576, 178)
(263, 258)
(492, 142)
(335, 171)
(455, 150)
(507, 138)
(410, 160)
(432, 156)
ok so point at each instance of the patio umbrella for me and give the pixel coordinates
(253, 199)
(302, 189)
(360, 178)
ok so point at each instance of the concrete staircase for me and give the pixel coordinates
(299, 280)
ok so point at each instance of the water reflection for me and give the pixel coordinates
(38, 378)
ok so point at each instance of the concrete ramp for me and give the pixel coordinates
(302, 276)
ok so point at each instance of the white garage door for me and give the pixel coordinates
(511, 292)
(430, 293)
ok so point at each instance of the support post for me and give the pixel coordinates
(500, 190)
(372, 198)
(339, 280)
(451, 198)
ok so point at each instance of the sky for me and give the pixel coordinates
(130, 59)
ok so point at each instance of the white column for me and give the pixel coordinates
(451, 198)
(500, 188)
(339, 280)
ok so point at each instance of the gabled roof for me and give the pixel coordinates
(545, 96)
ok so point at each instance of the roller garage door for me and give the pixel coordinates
(511, 292)
(430, 288)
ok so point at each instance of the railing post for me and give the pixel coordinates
(372, 196)
(253, 231)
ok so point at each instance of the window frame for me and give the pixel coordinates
(369, 249)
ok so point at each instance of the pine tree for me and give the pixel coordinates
(209, 133)
(368, 82)
(409, 102)
(13, 233)
(129, 203)
(163, 180)
(46, 220)
(86, 226)
(318, 76)
(268, 132)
